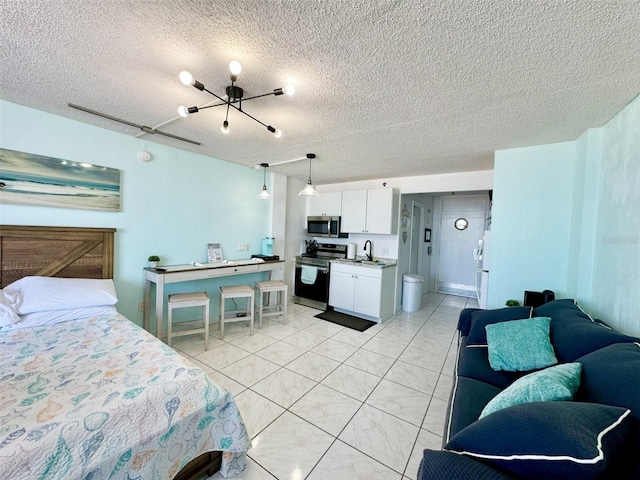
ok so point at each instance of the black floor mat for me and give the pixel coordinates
(345, 320)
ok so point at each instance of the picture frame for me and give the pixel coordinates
(427, 235)
(214, 252)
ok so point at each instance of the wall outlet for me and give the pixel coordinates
(141, 306)
(241, 247)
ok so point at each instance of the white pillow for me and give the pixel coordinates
(38, 294)
(38, 319)
(8, 315)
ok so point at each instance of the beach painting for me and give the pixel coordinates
(29, 179)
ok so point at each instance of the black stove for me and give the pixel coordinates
(312, 274)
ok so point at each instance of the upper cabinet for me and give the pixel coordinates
(329, 204)
(370, 211)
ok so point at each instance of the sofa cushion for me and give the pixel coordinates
(551, 384)
(520, 345)
(574, 333)
(481, 318)
(474, 363)
(468, 398)
(464, 321)
(550, 440)
(442, 465)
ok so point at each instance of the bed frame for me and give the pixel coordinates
(73, 252)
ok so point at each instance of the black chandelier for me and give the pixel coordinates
(234, 99)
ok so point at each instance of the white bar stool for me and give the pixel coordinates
(280, 308)
(184, 300)
(234, 292)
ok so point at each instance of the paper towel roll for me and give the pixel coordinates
(351, 251)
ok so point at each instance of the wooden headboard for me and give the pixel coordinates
(55, 252)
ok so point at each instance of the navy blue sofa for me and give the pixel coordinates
(610, 378)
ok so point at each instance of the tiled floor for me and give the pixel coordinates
(325, 402)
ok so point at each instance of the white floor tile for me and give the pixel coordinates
(352, 337)
(227, 383)
(304, 339)
(343, 462)
(257, 411)
(351, 381)
(381, 436)
(335, 350)
(430, 360)
(253, 343)
(280, 353)
(436, 415)
(324, 328)
(403, 402)
(384, 347)
(221, 356)
(443, 387)
(284, 387)
(412, 376)
(278, 331)
(326, 408)
(370, 362)
(250, 370)
(313, 366)
(290, 447)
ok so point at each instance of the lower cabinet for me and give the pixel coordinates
(362, 291)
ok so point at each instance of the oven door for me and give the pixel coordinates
(314, 287)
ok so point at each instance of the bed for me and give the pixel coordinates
(97, 397)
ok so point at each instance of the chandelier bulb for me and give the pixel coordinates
(186, 78)
(225, 127)
(277, 133)
(183, 111)
(235, 68)
(289, 89)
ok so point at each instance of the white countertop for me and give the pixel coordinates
(361, 261)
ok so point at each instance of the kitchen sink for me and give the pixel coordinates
(366, 262)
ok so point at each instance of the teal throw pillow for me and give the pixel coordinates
(554, 383)
(520, 345)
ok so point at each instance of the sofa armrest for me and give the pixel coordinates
(443, 465)
(464, 321)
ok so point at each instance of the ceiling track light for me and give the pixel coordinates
(235, 97)
(264, 194)
(309, 190)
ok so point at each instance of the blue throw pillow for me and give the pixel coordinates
(481, 318)
(520, 345)
(550, 440)
(551, 384)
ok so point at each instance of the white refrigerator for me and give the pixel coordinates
(481, 256)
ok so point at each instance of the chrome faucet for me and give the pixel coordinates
(370, 254)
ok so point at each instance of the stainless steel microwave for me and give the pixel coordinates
(324, 226)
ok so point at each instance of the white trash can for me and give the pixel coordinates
(411, 292)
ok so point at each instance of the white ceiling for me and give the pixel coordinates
(384, 88)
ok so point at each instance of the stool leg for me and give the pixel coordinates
(251, 313)
(260, 305)
(284, 306)
(221, 317)
(205, 319)
(169, 323)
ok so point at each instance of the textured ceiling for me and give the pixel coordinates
(384, 88)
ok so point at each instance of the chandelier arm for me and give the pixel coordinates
(238, 109)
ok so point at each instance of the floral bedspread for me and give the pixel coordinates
(103, 399)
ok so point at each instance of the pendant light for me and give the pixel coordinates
(264, 194)
(309, 191)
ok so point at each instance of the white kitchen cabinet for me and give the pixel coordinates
(370, 211)
(362, 291)
(329, 204)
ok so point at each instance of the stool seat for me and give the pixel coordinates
(185, 300)
(280, 308)
(233, 292)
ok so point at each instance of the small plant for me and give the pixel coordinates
(512, 303)
(154, 258)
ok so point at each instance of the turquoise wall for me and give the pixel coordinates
(566, 218)
(531, 221)
(172, 206)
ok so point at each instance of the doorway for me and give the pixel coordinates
(415, 254)
(462, 223)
